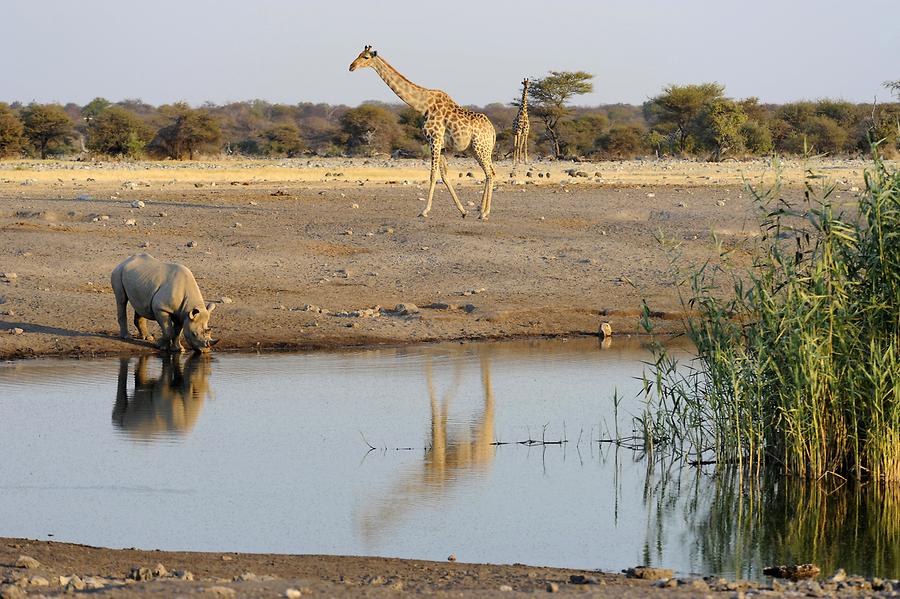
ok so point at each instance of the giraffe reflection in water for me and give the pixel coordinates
(163, 406)
(454, 454)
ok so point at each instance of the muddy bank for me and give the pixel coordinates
(45, 568)
(320, 255)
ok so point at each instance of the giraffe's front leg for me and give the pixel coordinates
(435, 167)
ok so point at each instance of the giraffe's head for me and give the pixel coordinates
(526, 83)
(364, 59)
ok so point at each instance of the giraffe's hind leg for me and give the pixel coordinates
(436, 157)
(483, 156)
(446, 178)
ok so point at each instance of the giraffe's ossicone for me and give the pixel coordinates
(446, 123)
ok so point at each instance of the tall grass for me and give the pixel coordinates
(798, 362)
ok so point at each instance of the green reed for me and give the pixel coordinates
(798, 360)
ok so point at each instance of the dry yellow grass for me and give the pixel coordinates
(353, 171)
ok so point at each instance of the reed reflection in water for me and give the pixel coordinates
(741, 524)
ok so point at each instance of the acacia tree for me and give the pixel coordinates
(116, 131)
(191, 130)
(550, 98)
(893, 87)
(11, 132)
(719, 127)
(369, 129)
(46, 126)
(675, 111)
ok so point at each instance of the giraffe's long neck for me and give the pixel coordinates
(406, 90)
(523, 107)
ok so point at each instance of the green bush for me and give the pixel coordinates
(623, 141)
(757, 138)
(47, 127)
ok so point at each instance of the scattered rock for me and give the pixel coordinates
(137, 204)
(796, 572)
(648, 573)
(19, 331)
(226, 300)
(582, 579)
(130, 222)
(354, 206)
(191, 244)
(145, 244)
(26, 561)
(651, 195)
(9, 277)
(221, 591)
(247, 577)
(38, 581)
(159, 571)
(183, 574)
(451, 557)
(85, 198)
(552, 587)
(505, 588)
(720, 203)
(348, 232)
(293, 594)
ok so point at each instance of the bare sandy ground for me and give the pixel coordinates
(319, 253)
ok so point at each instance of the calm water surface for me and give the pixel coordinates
(270, 453)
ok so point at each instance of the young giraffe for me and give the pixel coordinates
(444, 119)
(520, 128)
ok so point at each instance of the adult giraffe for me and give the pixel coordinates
(445, 120)
(521, 127)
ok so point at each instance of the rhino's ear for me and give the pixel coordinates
(210, 307)
(194, 313)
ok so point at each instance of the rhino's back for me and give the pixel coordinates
(143, 277)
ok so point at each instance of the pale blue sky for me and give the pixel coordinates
(292, 51)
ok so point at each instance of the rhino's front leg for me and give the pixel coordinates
(171, 333)
(141, 323)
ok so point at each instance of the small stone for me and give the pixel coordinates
(8, 591)
(720, 203)
(840, 575)
(854, 189)
(406, 309)
(293, 594)
(38, 581)
(145, 244)
(221, 591)
(648, 573)
(183, 574)
(470, 174)
(651, 195)
(682, 205)
(552, 587)
(605, 330)
(354, 206)
(226, 300)
(227, 558)
(137, 204)
(247, 577)
(10, 276)
(451, 557)
(140, 573)
(84, 198)
(191, 244)
(582, 579)
(159, 570)
(505, 588)
(26, 561)
(75, 583)
(130, 222)
(18, 331)
(348, 232)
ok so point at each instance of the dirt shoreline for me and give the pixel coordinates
(318, 254)
(31, 568)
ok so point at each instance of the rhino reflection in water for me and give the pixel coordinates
(454, 455)
(165, 405)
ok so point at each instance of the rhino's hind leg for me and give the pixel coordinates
(121, 303)
(171, 334)
(141, 323)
